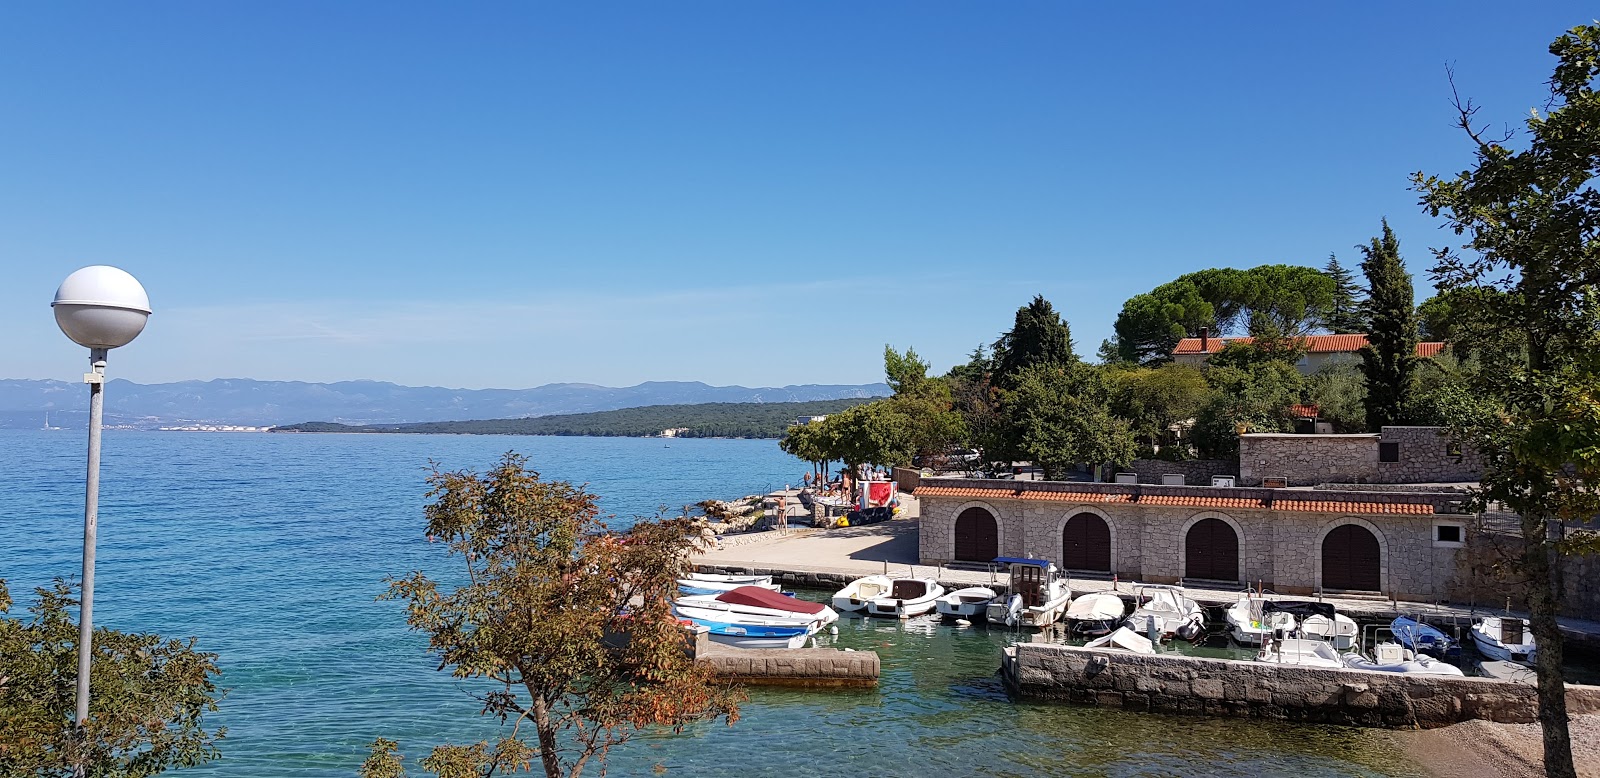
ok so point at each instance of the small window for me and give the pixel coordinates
(1388, 452)
(1447, 533)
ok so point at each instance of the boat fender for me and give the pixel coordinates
(963, 623)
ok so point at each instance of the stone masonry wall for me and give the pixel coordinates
(1196, 472)
(1215, 687)
(1427, 455)
(1307, 460)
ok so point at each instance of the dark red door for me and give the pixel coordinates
(1351, 559)
(1211, 551)
(977, 536)
(1086, 543)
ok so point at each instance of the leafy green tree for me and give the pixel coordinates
(1284, 299)
(1150, 325)
(1348, 313)
(1038, 336)
(147, 697)
(1060, 418)
(572, 624)
(1529, 214)
(811, 443)
(1339, 390)
(1390, 357)
(1250, 391)
(1155, 399)
(905, 372)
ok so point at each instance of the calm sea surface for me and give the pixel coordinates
(271, 548)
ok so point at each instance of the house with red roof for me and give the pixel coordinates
(1319, 349)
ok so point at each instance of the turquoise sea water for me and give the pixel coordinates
(271, 548)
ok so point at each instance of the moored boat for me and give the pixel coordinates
(1037, 597)
(854, 596)
(1305, 652)
(1422, 638)
(710, 583)
(967, 603)
(1125, 639)
(1395, 658)
(906, 597)
(1505, 639)
(1339, 630)
(753, 605)
(757, 635)
(1165, 611)
(1249, 621)
(1096, 614)
(1508, 671)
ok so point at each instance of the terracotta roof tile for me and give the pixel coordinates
(1315, 344)
(1180, 501)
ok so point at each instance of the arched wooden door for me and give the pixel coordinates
(1086, 543)
(1351, 559)
(1211, 551)
(977, 536)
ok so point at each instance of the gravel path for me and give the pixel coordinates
(1480, 748)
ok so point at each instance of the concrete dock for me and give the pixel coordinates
(810, 668)
(831, 558)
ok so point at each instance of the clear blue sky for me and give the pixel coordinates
(510, 194)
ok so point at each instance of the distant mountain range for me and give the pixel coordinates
(24, 402)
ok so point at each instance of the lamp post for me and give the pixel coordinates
(100, 308)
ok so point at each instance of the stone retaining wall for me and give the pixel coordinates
(808, 667)
(1425, 455)
(1196, 472)
(1216, 687)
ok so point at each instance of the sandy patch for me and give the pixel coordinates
(1480, 748)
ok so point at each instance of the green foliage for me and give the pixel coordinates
(1255, 394)
(147, 697)
(1348, 313)
(1060, 417)
(1038, 336)
(1154, 399)
(1391, 356)
(1339, 390)
(1530, 218)
(572, 624)
(1286, 300)
(905, 372)
(701, 420)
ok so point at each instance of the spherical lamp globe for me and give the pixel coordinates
(101, 307)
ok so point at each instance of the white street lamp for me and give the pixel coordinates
(100, 308)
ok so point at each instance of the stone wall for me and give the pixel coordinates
(808, 667)
(1307, 460)
(1196, 472)
(1426, 455)
(1216, 687)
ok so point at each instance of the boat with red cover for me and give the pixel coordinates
(754, 605)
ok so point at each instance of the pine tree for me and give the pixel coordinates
(1391, 355)
(1349, 314)
(1037, 336)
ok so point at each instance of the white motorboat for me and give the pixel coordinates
(721, 578)
(1037, 597)
(906, 597)
(1305, 652)
(1165, 611)
(697, 584)
(1395, 658)
(1506, 639)
(1340, 630)
(965, 603)
(1508, 671)
(854, 596)
(1125, 639)
(1248, 621)
(757, 635)
(1096, 614)
(753, 605)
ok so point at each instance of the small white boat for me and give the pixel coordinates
(1340, 630)
(1165, 611)
(906, 597)
(1508, 671)
(1395, 658)
(854, 596)
(697, 585)
(757, 635)
(1037, 597)
(1506, 639)
(753, 605)
(720, 578)
(1096, 614)
(1125, 639)
(1248, 622)
(965, 603)
(1305, 652)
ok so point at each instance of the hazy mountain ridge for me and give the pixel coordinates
(246, 401)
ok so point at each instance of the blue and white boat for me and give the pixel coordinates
(1423, 638)
(1505, 639)
(757, 635)
(714, 584)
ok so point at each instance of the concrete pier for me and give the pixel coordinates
(802, 667)
(1172, 683)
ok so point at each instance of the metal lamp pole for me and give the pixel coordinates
(100, 308)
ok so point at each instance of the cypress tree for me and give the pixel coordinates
(1348, 314)
(1391, 354)
(1037, 336)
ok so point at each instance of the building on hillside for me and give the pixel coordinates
(1401, 544)
(1320, 349)
(798, 420)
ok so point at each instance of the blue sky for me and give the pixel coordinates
(510, 194)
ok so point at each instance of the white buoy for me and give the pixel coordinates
(833, 630)
(963, 623)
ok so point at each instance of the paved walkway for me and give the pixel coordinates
(851, 552)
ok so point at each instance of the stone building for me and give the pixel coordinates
(1291, 541)
(1398, 455)
(1319, 350)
